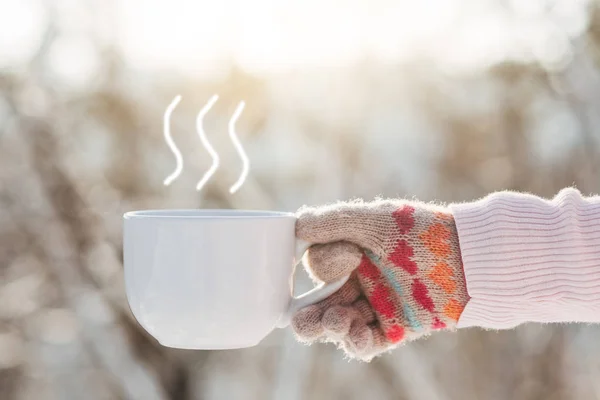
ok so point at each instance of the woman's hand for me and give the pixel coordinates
(406, 274)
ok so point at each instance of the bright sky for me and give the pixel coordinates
(265, 36)
(272, 34)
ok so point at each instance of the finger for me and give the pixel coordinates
(376, 342)
(359, 339)
(365, 309)
(330, 262)
(306, 323)
(378, 345)
(379, 339)
(337, 320)
(346, 295)
(354, 221)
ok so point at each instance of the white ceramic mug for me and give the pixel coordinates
(213, 279)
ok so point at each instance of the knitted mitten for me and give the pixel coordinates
(406, 274)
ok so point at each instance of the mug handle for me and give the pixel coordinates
(314, 295)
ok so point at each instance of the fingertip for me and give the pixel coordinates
(379, 339)
(337, 320)
(375, 339)
(360, 338)
(306, 323)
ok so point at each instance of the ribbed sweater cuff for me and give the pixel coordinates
(528, 259)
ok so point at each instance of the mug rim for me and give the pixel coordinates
(191, 213)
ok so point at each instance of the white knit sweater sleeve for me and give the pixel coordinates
(527, 259)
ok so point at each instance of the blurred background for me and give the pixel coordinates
(439, 99)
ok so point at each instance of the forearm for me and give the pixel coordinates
(527, 259)
(495, 263)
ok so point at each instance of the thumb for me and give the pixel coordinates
(330, 262)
